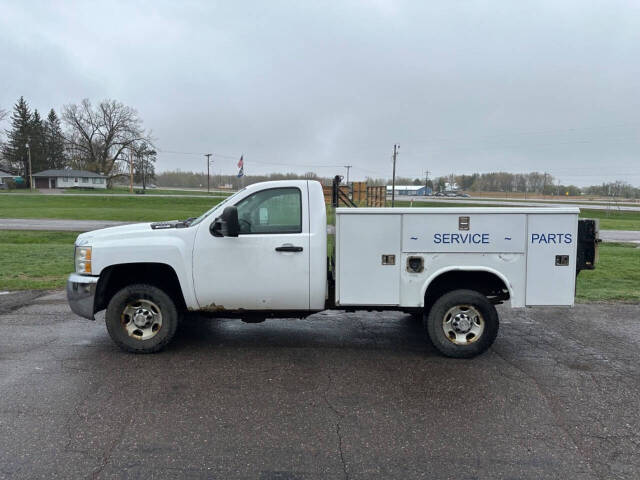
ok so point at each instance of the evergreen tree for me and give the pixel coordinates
(3, 115)
(55, 155)
(15, 149)
(38, 143)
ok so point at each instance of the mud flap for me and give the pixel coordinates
(588, 241)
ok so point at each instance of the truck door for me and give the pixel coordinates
(267, 266)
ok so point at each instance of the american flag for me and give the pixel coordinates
(241, 166)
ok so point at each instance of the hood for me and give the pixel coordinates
(122, 231)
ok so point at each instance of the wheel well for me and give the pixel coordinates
(116, 277)
(486, 283)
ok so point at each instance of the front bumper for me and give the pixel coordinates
(81, 293)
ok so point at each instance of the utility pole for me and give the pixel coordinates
(393, 180)
(144, 183)
(130, 170)
(426, 181)
(208, 155)
(30, 173)
(347, 167)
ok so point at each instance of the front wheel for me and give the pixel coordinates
(141, 318)
(462, 324)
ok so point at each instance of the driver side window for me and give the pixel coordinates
(276, 210)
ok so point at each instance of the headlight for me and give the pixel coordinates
(83, 260)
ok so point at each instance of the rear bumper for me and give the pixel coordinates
(81, 293)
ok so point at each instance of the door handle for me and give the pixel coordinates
(287, 247)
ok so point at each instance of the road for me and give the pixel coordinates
(336, 396)
(620, 236)
(56, 224)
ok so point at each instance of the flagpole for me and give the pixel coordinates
(241, 171)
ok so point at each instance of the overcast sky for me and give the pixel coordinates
(462, 86)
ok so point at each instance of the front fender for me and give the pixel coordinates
(172, 251)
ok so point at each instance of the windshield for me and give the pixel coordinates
(209, 212)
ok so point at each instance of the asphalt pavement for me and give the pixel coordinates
(337, 396)
(56, 224)
(620, 236)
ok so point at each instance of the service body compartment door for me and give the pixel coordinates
(368, 259)
(551, 259)
(464, 233)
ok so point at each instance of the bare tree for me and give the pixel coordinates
(3, 115)
(99, 137)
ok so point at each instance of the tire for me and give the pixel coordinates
(462, 324)
(132, 306)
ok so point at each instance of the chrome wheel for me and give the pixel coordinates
(463, 324)
(141, 319)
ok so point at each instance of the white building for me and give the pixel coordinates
(409, 190)
(69, 179)
(4, 176)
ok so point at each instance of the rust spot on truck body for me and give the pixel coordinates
(212, 307)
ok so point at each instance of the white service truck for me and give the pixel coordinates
(262, 252)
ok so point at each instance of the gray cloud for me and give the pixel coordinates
(462, 86)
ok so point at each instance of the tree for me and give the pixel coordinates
(3, 115)
(37, 143)
(54, 142)
(15, 150)
(143, 165)
(99, 137)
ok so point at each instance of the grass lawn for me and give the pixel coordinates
(42, 260)
(25, 191)
(135, 209)
(616, 277)
(614, 220)
(150, 191)
(35, 260)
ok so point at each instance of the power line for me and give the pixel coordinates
(175, 152)
(533, 132)
(485, 147)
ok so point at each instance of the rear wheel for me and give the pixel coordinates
(462, 324)
(141, 318)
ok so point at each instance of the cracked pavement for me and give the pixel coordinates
(344, 396)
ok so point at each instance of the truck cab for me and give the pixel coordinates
(263, 252)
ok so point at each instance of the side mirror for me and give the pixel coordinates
(226, 225)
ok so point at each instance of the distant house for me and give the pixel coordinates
(4, 176)
(410, 190)
(69, 179)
